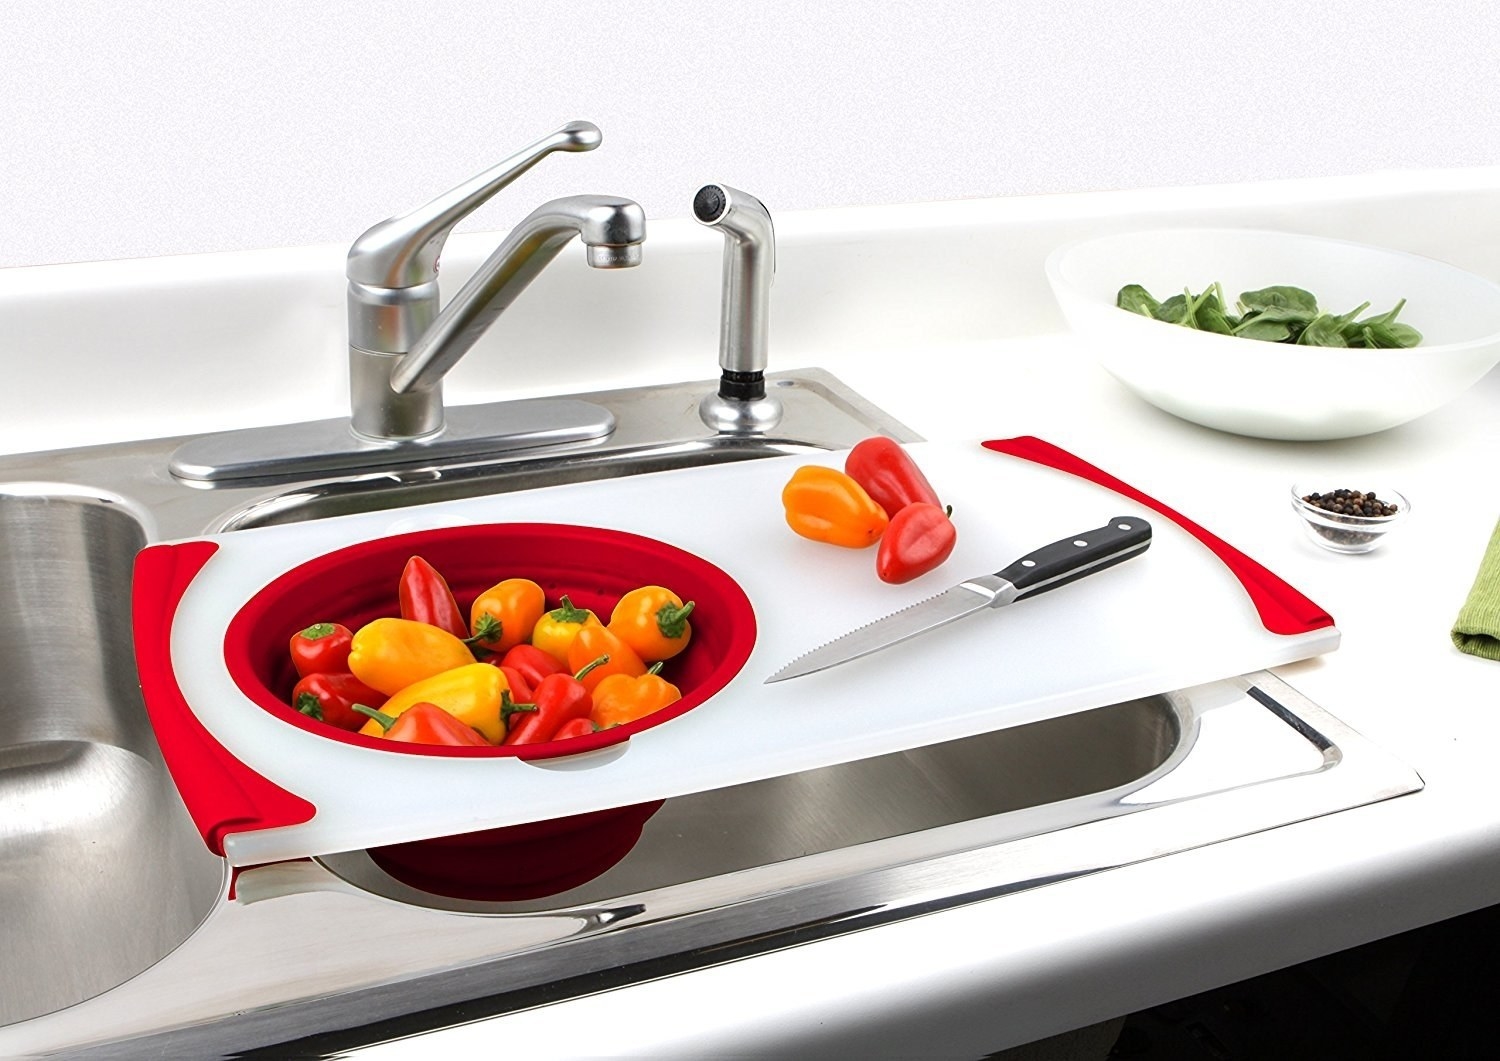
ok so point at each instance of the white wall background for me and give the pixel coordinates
(147, 127)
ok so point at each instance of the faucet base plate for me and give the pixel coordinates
(330, 447)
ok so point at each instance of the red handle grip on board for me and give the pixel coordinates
(1282, 609)
(222, 794)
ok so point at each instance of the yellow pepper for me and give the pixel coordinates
(826, 505)
(504, 615)
(390, 654)
(653, 621)
(555, 630)
(622, 698)
(475, 694)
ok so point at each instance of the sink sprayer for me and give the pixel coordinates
(740, 405)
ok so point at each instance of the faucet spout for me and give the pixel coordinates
(611, 229)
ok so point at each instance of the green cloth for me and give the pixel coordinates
(1477, 628)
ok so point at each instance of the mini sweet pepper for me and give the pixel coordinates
(827, 505)
(391, 654)
(474, 694)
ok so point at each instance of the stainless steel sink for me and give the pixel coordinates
(131, 945)
(101, 871)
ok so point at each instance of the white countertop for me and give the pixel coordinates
(982, 357)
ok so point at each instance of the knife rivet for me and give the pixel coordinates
(1028, 563)
(1080, 542)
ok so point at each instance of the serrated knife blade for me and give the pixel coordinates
(1064, 561)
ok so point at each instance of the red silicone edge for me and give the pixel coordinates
(222, 794)
(1282, 608)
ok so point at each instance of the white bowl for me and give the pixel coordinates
(1279, 390)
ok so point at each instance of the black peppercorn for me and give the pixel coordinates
(1349, 506)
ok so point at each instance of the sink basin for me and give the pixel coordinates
(1089, 758)
(132, 946)
(100, 867)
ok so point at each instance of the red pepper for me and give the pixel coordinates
(532, 663)
(578, 727)
(520, 689)
(560, 698)
(322, 648)
(426, 723)
(889, 475)
(426, 598)
(919, 538)
(331, 698)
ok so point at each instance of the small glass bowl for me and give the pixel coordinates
(1344, 533)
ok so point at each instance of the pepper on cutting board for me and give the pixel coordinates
(322, 648)
(559, 699)
(391, 654)
(827, 505)
(425, 723)
(623, 698)
(892, 479)
(653, 621)
(331, 698)
(921, 536)
(475, 694)
(504, 615)
(425, 598)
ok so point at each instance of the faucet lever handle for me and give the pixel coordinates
(403, 251)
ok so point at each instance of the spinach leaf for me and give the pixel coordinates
(1382, 332)
(1175, 310)
(1281, 297)
(1137, 299)
(1208, 311)
(1325, 330)
(1266, 329)
(1377, 336)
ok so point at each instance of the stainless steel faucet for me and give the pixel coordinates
(400, 346)
(393, 286)
(740, 405)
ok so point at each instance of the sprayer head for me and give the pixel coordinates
(709, 204)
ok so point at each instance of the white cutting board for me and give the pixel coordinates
(1170, 618)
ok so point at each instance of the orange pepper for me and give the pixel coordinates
(653, 621)
(827, 505)
(621, 698)
(555, 630)
(597, 641)
(504, 615)
(390, 654)
(475, 694)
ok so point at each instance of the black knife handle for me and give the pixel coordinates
(1072, 558)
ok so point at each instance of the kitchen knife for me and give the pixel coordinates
(1047, 568)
